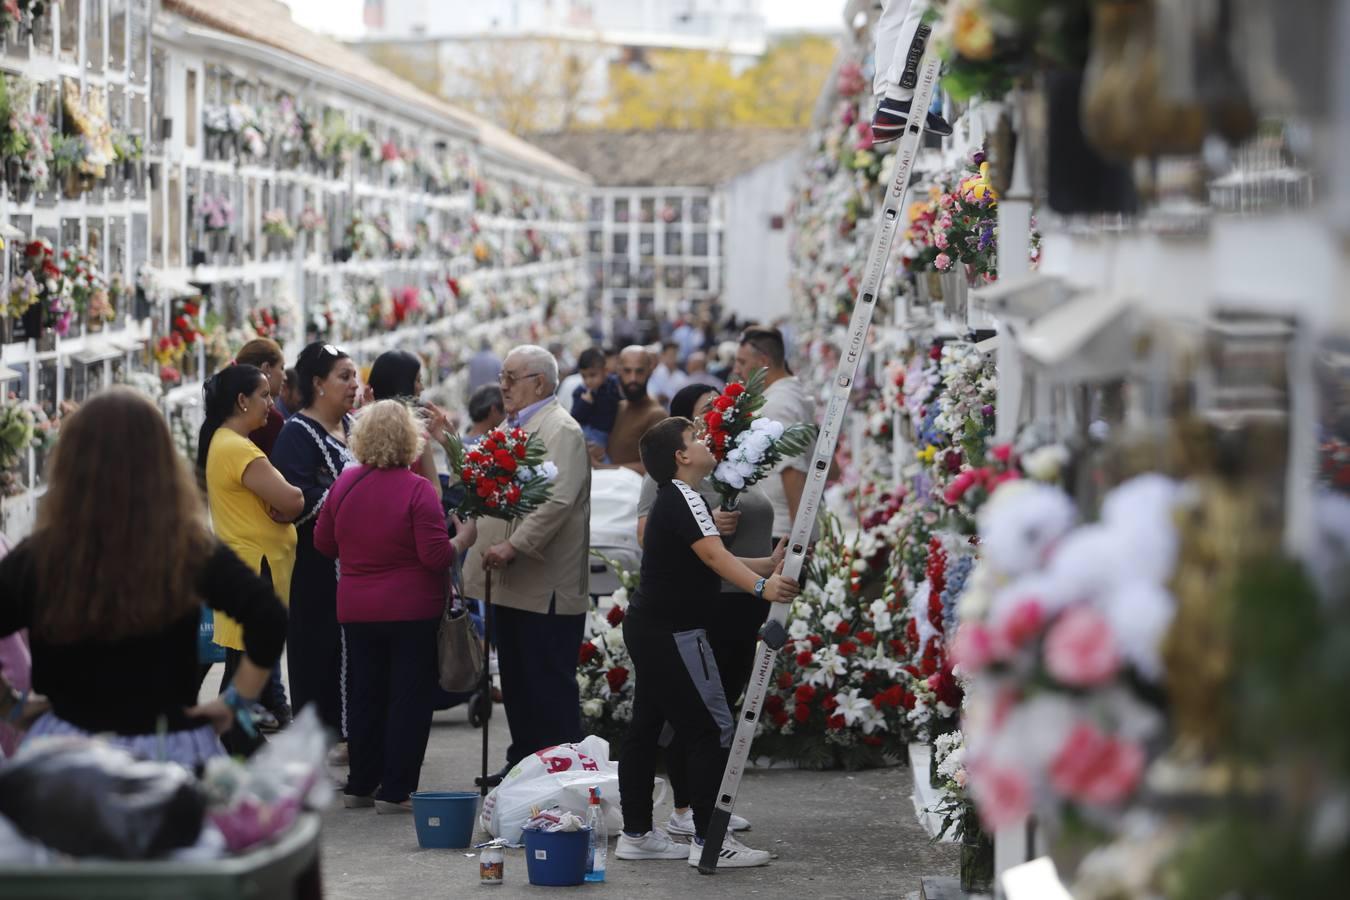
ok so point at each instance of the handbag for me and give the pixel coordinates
(459, 651)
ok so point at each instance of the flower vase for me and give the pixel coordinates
(952, 289)
(72, 185)
(977, 854)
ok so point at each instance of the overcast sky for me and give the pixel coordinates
(344, 16)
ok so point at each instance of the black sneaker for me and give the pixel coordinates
(891, 116)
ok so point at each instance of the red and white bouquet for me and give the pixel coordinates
(748, 447)
(506, 475)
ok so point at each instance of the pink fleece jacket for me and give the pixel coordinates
(387, 530)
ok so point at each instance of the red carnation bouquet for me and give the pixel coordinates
(747, 446)
(505, 476)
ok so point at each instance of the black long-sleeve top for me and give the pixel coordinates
(125, 685)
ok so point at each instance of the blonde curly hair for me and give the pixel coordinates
(387, 435)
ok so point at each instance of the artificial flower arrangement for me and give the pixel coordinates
(86, 119)
(217, 213)
(86, 281)
(604, 668)
(392, 159)
(1060, 639)
(267, 322)
(277, 224)
(506, 474)
(54, 289)
(27, 135)
(747, 446)
(23, 426)
(311, 221)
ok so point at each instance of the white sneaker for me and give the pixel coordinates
(734, 855)
(655, 844)
(682, 823)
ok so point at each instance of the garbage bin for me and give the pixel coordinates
(285, 868)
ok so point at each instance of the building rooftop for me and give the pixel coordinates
(269, 22)
(670, 158)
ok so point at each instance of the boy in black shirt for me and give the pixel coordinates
(676, 675)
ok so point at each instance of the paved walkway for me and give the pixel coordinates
(840, 835)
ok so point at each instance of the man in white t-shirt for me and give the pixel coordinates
(667, 380)
(786, 401)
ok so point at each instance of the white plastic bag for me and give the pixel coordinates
(559, 776)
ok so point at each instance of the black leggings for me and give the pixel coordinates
(677, 682)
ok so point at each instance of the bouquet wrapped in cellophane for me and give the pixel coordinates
(747, 446)
(505, 476)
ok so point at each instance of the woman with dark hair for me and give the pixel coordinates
(111, 584)
(266, 355)
(734, 623)
(397, 375)
(251, 504)
(311, 453)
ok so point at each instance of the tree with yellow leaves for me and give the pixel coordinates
(698, 90)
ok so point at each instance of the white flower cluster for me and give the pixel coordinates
(745, 457)
(969, 383)
(547, 470)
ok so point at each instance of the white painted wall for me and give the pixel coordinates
(756, 257)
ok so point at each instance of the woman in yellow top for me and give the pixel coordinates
(251, 505)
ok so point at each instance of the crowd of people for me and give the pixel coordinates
(319, 519)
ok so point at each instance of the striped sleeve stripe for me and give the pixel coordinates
(698, 508)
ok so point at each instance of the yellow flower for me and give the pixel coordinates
(927, 454)
(972, 35)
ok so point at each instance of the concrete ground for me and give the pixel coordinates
(838, 835)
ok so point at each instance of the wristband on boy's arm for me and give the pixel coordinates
(242, 713)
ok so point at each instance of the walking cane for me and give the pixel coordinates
(484, 782)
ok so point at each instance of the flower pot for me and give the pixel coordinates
(977, 855)
(72, 185)
(128, 169)
(23, 190)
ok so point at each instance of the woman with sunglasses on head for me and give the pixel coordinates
(311, 453)
(251, 505)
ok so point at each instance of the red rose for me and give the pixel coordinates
(842, 629)
(847, 648)
(828, 703)
(519, 451)
(513, 494)
(805, 658)
(867, 638)
(466, 474)
(519, 434)
(588, 651)
(802, 713)
(615, 616)
(784, 681)
(477, 458)
(617, 678)
(504, 460)
(815, 640)
(713, 420)
(779, 717)
(723, 403)
(485, 489)
(835, 723)
(735, 390)
(773, 703)
(805, 694)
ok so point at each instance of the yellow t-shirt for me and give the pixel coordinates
(240, 520)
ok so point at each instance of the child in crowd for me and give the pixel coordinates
(595, 403)
(677, 680)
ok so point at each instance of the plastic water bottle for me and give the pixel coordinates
(598, 850)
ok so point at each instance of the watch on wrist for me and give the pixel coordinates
(759, 588)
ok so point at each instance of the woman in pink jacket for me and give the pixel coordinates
(387, 528)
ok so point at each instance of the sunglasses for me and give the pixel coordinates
(332, 350)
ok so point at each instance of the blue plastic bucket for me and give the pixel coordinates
(444, 819)
(557, 858)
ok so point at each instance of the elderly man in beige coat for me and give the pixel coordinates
(540, 568)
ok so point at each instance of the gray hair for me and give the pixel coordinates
(540, 362)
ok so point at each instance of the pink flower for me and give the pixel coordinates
(1079, 650)
(1023, 623)
(1003, 795)
(974, 648)
(962, 483)
(1002, 453)
(1095, 768)
(943, 262)
(940, 240)
(865, 137)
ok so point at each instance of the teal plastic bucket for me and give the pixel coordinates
(557, 858)
(444, 819)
